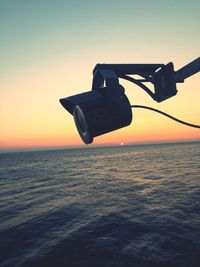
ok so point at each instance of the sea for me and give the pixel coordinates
(123, 206)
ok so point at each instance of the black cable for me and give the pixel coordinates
(167, 115)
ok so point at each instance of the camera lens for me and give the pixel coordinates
(81, 122)
(82, 125)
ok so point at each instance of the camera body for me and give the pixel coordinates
(97, 112)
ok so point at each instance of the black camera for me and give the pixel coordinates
(97, 112)
(106, 108)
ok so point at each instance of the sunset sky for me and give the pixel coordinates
(50, 47)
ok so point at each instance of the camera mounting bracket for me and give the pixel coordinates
(162, 76)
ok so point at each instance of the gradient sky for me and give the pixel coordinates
(48, 51)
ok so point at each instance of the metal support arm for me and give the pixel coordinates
(162, 76)
(188, 70)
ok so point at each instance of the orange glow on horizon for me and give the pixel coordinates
(40, 121)
(125, 136)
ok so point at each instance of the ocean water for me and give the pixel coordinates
(113, 206)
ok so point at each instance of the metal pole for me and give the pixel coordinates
(188, 70)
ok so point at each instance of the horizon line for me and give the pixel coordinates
(50, 148)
